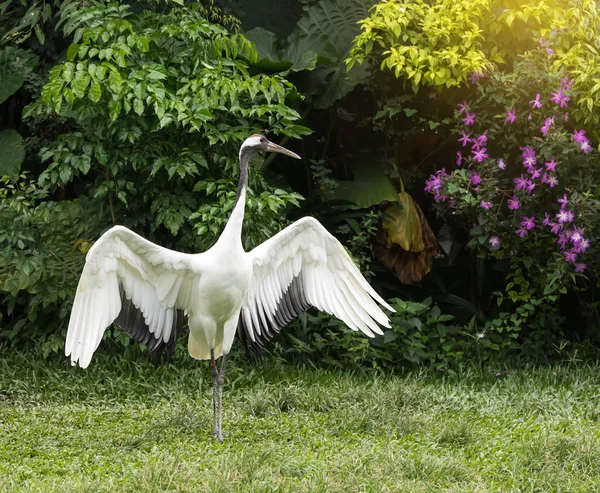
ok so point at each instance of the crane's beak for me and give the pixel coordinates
(281, 150)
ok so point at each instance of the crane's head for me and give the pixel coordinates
(259, 143)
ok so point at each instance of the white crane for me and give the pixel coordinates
(148, 290)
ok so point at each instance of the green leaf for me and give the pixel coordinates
(95, 92)
(13, 152)
(72, 52)
(370, 186)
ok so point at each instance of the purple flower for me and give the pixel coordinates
(585, 146)
(566, 116)
(564, 201)
(565, 216)
(465, 139)
(529, 161)
(530, 186)
(560, 98)
(580, 267)
(535, 173)
(433, 184)
(475, 178)
(482, 139)
(551, 165)
(501, 164)
(486, 205)
(582, 246)
(511, 116)
(536, 103)
(555, 228)
(521, 183)
(475, 77)
(528, 222)
(542, 41)
(570, 256)
(550, 51)
(479, 156)
(513, 203)
(469, 119)
(528, 151)
(521, 232)
(494, 242)
(579, 136)
(552, 181)
(464, 106)
(459, 158)
(546, 221)
(576, 236)
(566, 84)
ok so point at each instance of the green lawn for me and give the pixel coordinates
(123, 426)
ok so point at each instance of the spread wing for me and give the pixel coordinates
(128, 280)
(304, 266)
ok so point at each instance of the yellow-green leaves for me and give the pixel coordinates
(402, 225)
(427, 43)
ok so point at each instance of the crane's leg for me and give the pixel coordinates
(213, 373)
(220, 381)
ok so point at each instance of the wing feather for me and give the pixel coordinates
(303, 266)
(136, 284)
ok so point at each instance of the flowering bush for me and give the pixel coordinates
(524, 182)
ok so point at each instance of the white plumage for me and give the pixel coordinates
(148, 289)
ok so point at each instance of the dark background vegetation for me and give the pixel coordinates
(158, 154)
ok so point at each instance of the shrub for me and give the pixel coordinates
(525, 186)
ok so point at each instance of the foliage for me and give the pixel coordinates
(427, 43)
(442, 43)
(526, 192)
(122, 425)
(319, 43)
(150, 103)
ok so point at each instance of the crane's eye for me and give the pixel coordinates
(262, 140)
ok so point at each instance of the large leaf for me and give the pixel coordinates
(13, 152)
(15, 64)
(294, 57)
(409, 267)
(370, 186)
(279, 16)
(402, 225)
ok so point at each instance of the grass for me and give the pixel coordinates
(123, 426)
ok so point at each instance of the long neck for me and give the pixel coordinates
(232, 234)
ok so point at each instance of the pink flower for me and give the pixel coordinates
(513, 203)
(464, 106)
(551, 165)
(528, 222)
(479, 156)
(486, 205)
(566, 116)
(475, 178)
(564, 201)
(552, 181)
(501, 164)
(536, 103)
(535, 173)
(560, 98)
(565, 216)
(585, 146)
(579, 136)
(521, 183)
(521, 232)
(511, 116)
(494, 242)
(459, 158)
(580, 267)
(469, 119)
(465, 139)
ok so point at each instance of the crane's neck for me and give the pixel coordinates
(232, 234)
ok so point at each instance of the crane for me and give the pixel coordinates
(149, 290)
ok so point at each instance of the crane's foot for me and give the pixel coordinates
(220, 437)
